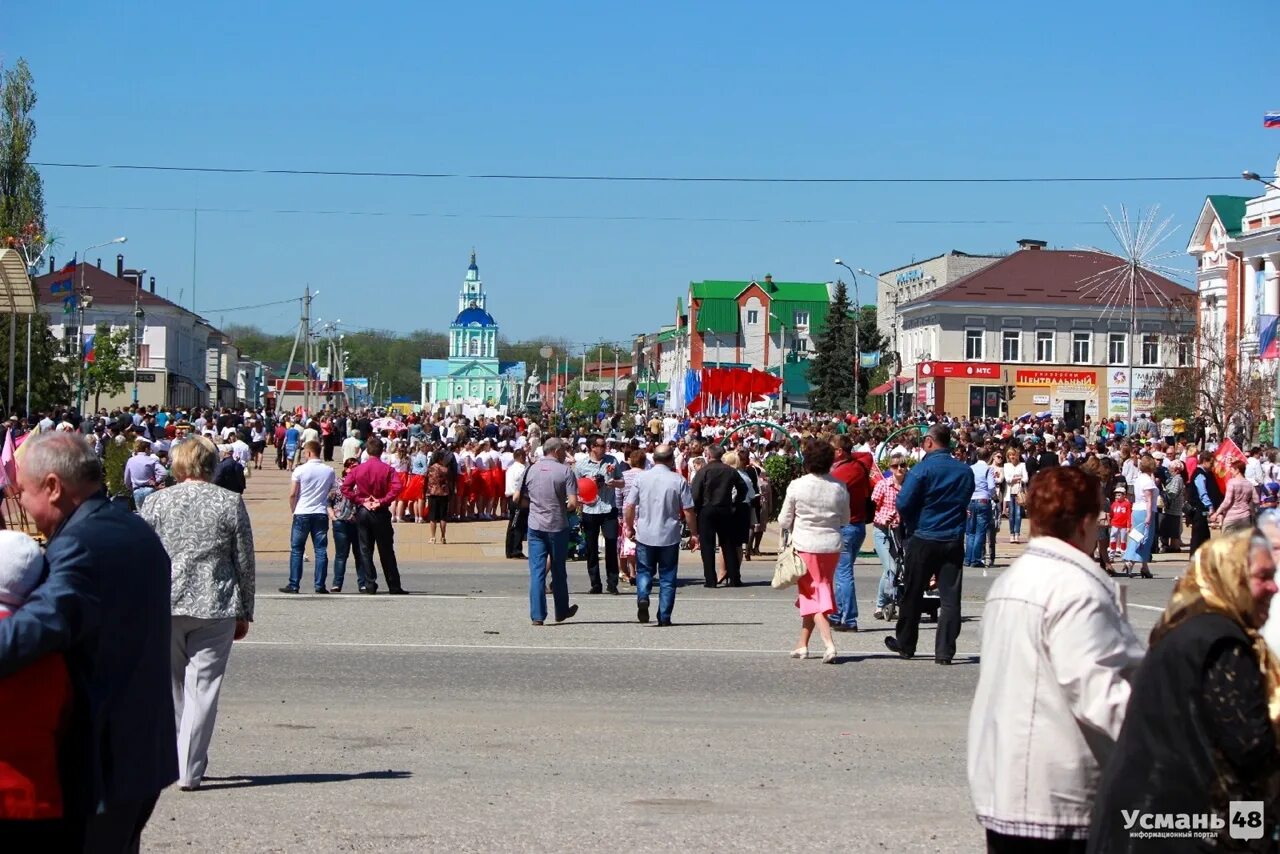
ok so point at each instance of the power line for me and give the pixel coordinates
(248, 307)
(689, 179)
(576, 217)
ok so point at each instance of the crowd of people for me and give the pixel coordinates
(85, 625)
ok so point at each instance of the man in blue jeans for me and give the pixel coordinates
(656, 502)
(552, 492)
(309, 500)
(979, 519)
(853, 469)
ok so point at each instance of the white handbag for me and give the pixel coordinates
(788, 568)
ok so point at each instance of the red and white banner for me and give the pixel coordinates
(970, 370)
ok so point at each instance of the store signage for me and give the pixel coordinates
(971, 370)
(1040, 400)
(908, 276)
(1052, 377)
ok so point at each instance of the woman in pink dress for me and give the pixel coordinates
(814, 511)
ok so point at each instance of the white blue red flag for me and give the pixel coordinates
(1271, 120)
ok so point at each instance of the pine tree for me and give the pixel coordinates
(831, 372)
(870, 340)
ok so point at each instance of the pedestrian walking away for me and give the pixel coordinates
(933, 504)
(551, 491)
(657, 502)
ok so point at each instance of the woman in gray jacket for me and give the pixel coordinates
(206, 531)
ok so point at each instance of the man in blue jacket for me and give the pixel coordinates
(104, 604)
(933, 505)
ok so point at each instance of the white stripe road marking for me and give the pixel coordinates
(532, 648)
(1146, 607)
(462, 597)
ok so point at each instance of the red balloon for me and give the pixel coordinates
(588, 492)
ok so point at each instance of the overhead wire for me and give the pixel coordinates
(700, 179)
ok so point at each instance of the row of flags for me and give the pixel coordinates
(726, 390)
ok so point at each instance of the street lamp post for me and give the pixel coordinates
(138, 315)
(1275, 414)
(893, 325)
(83, 297)
(857, 342)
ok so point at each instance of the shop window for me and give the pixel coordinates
(1044, 346)
(1116, 348)
(973, 341)
(1081, 348)
(1011, 345)
(986, 401)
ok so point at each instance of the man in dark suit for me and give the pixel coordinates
(716, 489)
(104, 604)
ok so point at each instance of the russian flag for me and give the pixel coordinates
(1268, 346)
(88, 348)
(1271, 120)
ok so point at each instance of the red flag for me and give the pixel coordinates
(1222, 459)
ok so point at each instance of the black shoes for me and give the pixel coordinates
(613, 591)
(537, 622)
(664, 624)
(942, 660)
(841, 627)
(892, 643)
(322, 590)
(370, 589)
(399, 591)
(288, 589)
(710, 584)
(573, 609)
(642, 612)
(596, 590)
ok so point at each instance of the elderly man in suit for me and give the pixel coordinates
(105, 605)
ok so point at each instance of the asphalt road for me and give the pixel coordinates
(444, 721)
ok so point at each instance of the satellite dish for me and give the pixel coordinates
(545, 352)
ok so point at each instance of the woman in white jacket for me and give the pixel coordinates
(1057, 657)
(814, 511)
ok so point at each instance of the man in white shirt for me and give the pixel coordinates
(351, 445)
(519, 518)
(309, 501)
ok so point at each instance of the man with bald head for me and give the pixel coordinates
(104, 604)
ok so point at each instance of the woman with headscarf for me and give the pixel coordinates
(1200, 730)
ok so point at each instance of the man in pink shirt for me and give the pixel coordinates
(373, 486)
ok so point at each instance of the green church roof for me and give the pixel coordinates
(1231, 211)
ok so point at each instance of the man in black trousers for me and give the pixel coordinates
(373, 486)
(933, 505)
(716, 489)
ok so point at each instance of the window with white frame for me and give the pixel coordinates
(1184, 354)
(973, 341)
(1011, 345)
(800, 318)
(1116, 354)
(1081, 348)
(1150, 350)
(753, 316)
(1044, 345)
(802, 345)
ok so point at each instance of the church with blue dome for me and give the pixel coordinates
(472, 374)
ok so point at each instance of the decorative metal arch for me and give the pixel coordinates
(748, 424)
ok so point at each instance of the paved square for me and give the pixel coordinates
(444, 721)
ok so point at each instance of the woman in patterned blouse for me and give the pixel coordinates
(205, 529)
(885, 497)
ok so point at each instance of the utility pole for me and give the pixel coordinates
(303, 336)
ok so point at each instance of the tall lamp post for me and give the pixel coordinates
(857, 342)
(1275, 414)
(897, 357)
(81, 297)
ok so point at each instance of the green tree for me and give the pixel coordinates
(831, 370)
(106, 373)
(870, 340)
(50, 374)
(21, 188)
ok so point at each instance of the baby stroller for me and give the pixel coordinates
(898, 553)
(577, 549)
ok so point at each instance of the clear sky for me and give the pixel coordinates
(920, 89)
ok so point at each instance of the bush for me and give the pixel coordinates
(113, 461)
(781, 471)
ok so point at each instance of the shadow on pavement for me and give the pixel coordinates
(251, 780)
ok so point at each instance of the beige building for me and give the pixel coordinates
(1026, 326)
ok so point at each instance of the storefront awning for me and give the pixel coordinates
(886, 387)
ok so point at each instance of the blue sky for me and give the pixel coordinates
(932, 89)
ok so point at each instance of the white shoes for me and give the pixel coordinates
(829, 656)
(801, 652)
